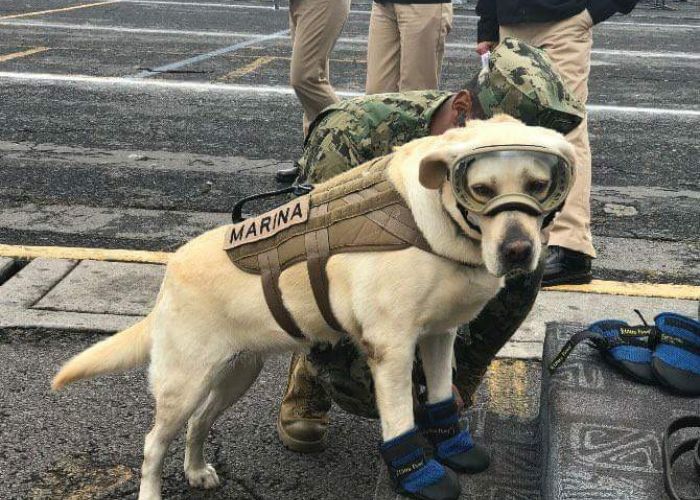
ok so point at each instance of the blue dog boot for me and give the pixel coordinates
(413, 473)
(454, 447)
(627, 348)
(676, 359)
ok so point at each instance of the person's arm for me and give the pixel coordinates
(600, 10)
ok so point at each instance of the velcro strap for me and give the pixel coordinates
(598, 340)
(684, 324)
(317, 254)
(679, 342)
(439, 433)
(637, 331)
(403, 446)
(269, 263)
(405, 456)
(670, 457)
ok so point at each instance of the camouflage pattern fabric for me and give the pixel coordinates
(357, 130)
(521, 81)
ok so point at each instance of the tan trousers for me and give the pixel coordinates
(568, 44)
(406, 46)
(315, 26)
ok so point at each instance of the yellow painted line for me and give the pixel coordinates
(32, 252)
(600, 287)
(248, 68)
(52, 11)
(24, 53)
(662, 291)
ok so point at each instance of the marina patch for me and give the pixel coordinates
(268, 224)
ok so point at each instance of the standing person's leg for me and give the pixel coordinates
(383, 50)
(315, 26)
(568, 43)
(423, 29)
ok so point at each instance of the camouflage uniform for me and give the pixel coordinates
(520, 81)
(357, 130)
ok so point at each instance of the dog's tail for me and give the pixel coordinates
(124, 350)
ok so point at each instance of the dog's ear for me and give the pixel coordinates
(434, 170)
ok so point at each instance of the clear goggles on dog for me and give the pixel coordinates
(539, 185)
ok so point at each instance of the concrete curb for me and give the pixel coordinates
(71, 295)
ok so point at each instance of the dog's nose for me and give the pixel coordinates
(517, 251)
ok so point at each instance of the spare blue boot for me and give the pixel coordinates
(414, 473)
(628, 348)
(676, 359)
(454, 446)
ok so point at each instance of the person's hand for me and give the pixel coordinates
(484, 47)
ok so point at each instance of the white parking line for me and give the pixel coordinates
(209, 55)
(690, 56)
(624, 25)
(125, 29)
(264, 89)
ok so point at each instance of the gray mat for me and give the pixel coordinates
(601, 431)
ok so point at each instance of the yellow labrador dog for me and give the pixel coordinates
(478, 195)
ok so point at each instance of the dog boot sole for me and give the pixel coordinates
(676, 380)
(448, 488)
(474, 461)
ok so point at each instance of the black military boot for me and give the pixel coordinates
(454, 446)
(413, 473)
(302, 423)
(566, 267)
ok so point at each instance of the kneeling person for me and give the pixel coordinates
(520, 81)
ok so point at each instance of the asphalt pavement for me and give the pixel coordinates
(96, 149)
(136, 124)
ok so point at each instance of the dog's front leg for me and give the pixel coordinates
(391, 368)
(404, 449)
(436, 356)
(438, 420)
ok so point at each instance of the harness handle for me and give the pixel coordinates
(237, 211)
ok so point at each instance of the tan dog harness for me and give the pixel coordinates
(362, 212)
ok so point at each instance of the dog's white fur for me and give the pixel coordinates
(210, 330)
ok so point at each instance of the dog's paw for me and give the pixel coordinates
(203, 478)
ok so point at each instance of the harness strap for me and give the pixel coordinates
(269, 263)
(318, 252)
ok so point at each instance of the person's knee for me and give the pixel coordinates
(301, 80)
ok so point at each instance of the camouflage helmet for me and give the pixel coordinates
(521, 81)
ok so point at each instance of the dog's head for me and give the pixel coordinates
(500, 182)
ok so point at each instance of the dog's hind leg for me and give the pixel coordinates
(178, 392)
(436, 356)
(228, 386)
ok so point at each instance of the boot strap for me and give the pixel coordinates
(406, 456)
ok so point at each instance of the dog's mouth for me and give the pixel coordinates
(465, 216)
